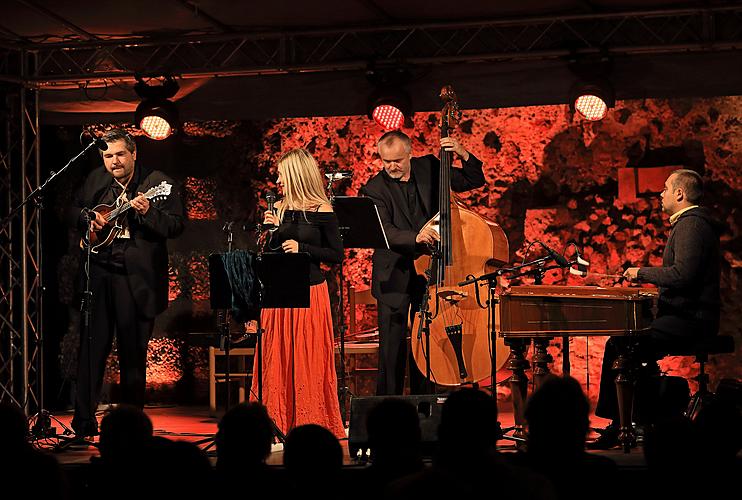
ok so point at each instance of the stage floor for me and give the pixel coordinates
(193, 423)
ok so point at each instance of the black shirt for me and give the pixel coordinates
(410, 193)
(317, 234)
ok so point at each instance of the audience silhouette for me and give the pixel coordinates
(684, 458)
(558, 417)
(394, 438)
(124, 444)
(243, 443)
(468, 462)
(313, 458)
(26, 472)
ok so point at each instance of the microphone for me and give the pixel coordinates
(558, 258)
(342, 174)
(270, 198)
(578, 256)
(101, 144)
(86, 135)
(580, 271)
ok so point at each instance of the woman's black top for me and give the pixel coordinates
(317, 234)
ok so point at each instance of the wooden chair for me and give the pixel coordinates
(355, 298)
(242, 375)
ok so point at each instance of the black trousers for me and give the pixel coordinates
(394, 354)
(113, 312)
(645, 351)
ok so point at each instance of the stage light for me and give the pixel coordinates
(592, 95)
(156, 115)
(389, 108)
(389, 105)
(592, 99)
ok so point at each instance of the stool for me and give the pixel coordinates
(701, 348)
(241, 375)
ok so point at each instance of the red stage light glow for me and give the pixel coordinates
(388, 116)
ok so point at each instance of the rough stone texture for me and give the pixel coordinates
(550, 176)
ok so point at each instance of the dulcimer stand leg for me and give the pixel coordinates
(519, 434)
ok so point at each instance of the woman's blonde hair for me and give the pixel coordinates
(303, 188)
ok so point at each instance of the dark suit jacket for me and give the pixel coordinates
(689, 278)
(146, 255)
(393, 269)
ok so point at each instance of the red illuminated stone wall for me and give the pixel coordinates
(550, 177)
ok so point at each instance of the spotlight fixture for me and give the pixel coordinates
(389, 105)
(389, 108)
(592, 94)
(156, 115)
(592, 98)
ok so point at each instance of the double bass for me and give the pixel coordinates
(456, 341)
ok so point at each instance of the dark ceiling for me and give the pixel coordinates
(272, 59)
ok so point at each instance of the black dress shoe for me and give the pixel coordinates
(85, 432)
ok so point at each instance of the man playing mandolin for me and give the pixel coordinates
(131, 212)
(406, 194)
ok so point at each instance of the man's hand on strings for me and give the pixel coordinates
(428, 236)
(97, 222)
(451, 144)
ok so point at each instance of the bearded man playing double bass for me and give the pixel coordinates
(406, 195)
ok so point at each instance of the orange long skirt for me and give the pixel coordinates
(299, 378)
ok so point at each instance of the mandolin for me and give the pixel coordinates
(114, 216)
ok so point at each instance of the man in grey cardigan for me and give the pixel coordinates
(688, 281)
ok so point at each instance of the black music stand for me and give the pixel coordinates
(360, 227)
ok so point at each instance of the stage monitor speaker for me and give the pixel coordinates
(428, 409)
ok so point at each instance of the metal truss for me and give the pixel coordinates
(90, 62)
(21, 363)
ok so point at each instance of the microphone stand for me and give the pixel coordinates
(42, 427)
(423, 327)
(39, 191)
(343, 389)
(517, 364)
(224, 316)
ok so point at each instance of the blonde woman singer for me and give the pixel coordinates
(299, 378)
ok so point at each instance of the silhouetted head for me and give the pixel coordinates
(719, 425)
(177, 469)
(672, 445)
(312, 452)
(14, 426)
(391, 423)
(468, 424)
(124, 432)
(558, 416)
(245, 435)
(393, 428)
